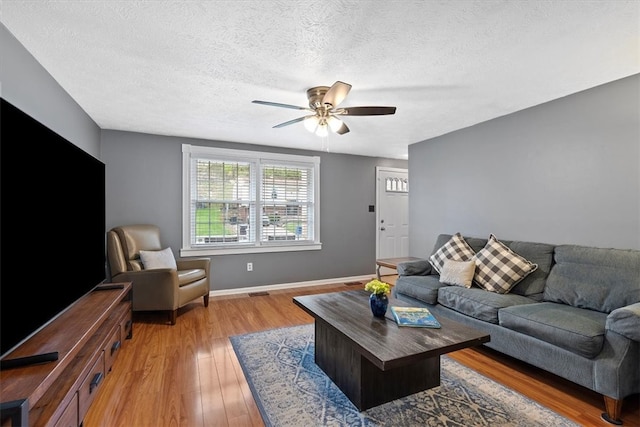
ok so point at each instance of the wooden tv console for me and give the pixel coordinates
(87, 337)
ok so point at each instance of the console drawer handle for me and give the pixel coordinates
(97, 378)
(115, 347)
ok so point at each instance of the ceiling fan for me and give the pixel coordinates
(323, 104)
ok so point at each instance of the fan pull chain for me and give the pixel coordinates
(324, 144)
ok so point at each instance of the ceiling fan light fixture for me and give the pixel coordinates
(322, 130)
(334, 123)
(311, 123)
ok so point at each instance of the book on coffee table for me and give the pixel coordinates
(418, 317)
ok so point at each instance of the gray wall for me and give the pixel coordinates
(567, 171)
(563, 172)
(144, 184)
(28, 86)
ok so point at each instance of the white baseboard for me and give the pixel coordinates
(291, 285)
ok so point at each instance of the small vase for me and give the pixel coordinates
(379, 304)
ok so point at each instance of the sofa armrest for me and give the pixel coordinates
(414, 268)
(625, 321)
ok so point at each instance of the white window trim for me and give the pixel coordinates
(255, 156)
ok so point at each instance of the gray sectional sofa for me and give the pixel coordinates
(577, 315)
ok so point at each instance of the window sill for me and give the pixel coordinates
(191, 252)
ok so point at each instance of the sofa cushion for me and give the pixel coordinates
(456, 248)
(498, 268)
(625, 321)
(458, 273)
(422, 288)
(540, 254)
(594, 278)
(478, 303)
(574, 329)
(475, 243)
(186, 277)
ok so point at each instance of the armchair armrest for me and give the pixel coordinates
(625, 321)
(152, 289)
(191, 263)
(414, 268)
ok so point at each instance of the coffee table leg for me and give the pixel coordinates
(360, 380)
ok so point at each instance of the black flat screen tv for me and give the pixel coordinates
(52, 225)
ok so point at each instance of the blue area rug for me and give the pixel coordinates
(291, 390)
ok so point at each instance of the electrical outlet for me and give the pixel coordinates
(249, 266)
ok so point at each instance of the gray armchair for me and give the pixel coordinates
(161, 289)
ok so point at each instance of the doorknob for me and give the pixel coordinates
(382, 228)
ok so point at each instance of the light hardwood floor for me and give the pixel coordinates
(188, 374)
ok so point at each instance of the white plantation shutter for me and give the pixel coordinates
(243, 201)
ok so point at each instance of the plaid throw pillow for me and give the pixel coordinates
(498, 268)
(456, 249)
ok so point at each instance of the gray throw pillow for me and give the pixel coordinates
(458, 273)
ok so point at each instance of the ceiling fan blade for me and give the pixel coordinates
(366, 111)
(290, 122)
(337, 125)
(336, 93)
(277, 104)
(343, 129)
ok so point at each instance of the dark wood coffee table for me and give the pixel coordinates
(372, 360)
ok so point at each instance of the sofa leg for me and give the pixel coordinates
(173, 316)
(206, 300)
(614, 409)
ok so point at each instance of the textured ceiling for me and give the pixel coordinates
(192, 68)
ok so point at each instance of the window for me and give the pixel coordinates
(238, 201)
(397, 185)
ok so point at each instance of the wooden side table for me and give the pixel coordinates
(392, 263)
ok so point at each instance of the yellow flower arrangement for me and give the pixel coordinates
(377, 287)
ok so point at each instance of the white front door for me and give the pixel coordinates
(392, 217)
